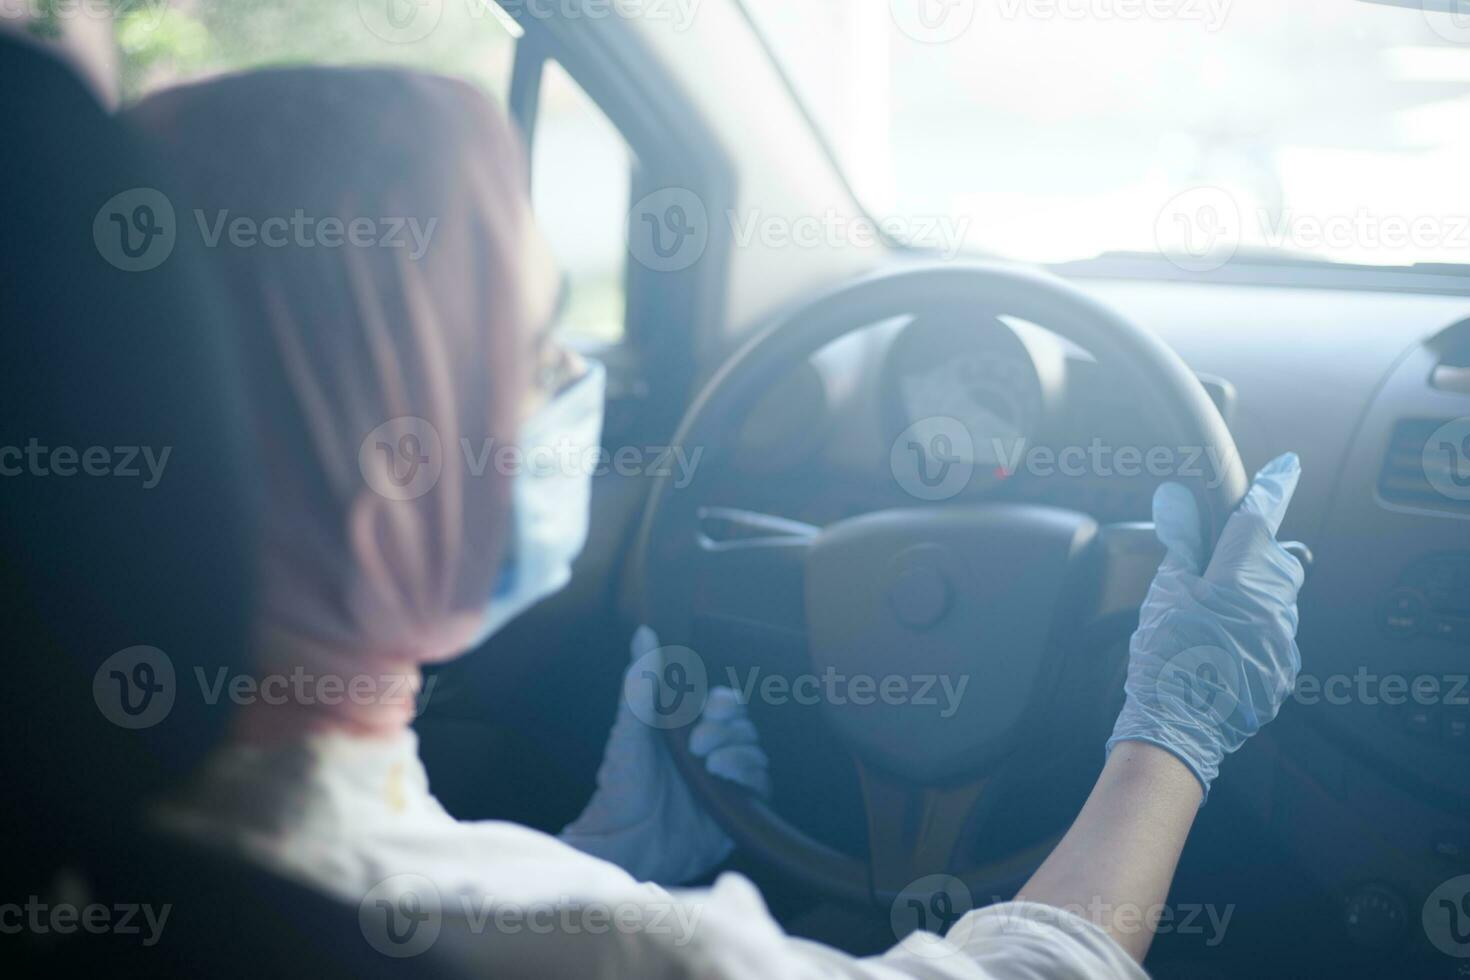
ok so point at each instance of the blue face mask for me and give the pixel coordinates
(550, 499)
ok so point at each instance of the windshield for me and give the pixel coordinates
(1051, 130)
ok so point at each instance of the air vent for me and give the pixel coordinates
(1428, 466)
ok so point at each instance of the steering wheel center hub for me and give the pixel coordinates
(945, 618)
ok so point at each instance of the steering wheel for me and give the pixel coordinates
(983, 589)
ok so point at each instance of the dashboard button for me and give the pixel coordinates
(1452, 845)
(1456, 729)
(1419, 720)
(1451, 628)
(1375, 917)
(1405, 612)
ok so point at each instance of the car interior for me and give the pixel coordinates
(1084, 237)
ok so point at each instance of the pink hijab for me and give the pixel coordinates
(369, 569)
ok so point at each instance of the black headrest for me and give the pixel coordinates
(124, 501)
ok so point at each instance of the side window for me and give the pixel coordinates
(581, 174)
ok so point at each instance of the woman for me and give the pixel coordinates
(368, 365)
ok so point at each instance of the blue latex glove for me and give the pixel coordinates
(642, 816)
(1215, 654)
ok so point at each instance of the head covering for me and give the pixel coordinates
(372, 359)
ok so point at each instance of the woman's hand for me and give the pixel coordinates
(1215, 653)
(642, 816)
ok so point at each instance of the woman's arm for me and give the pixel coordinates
(1212, 660)
(1115, 864)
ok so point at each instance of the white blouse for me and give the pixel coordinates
(354, 817)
